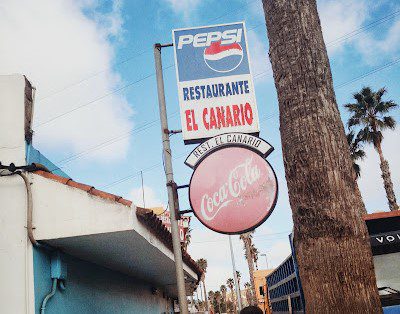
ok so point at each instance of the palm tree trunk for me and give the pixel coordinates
(387, 180)
(233, 300)
(250, 263)
(205, 295)
(330, 237)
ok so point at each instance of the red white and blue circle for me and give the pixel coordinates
(223, 58)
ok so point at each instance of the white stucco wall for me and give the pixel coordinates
(61, 211)
(16, 267)
(12, 119)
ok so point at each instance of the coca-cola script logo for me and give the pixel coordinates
(233, 190)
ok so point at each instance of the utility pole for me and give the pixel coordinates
(330, 236)
(144, 203)
(167, 155)
(239, 299)
(266, 258)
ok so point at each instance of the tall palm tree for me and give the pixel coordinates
(254, 253)
(369, 113)
(202, 262)
(239, 276)
(247, 287)
(323, 194)
(188, 238)
(247, 244)
(223, 293)
(231, 284)
(217, 298)
(356, 151)
(211, 299)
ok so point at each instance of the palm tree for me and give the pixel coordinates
(223, 293)
(239, 276)
(217, 298)
(202, 262)
(211, 295)
(231, 283)
(247, 286)
(254, 253)
(356, 151)
(188, 238)
(247, 243)
(369, 113)
(323, 195)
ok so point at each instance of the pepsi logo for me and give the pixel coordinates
(223, 58)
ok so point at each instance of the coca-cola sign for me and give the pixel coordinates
(233, 190)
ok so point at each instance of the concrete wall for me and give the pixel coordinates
(16, 273)
(94, 289)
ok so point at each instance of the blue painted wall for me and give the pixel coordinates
(35, 156)
(395, 309)
(94, 289)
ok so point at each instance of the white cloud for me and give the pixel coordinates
(151, 199)
(260, 64)
(185, 7)
(55, 45)
(370, 182)
(341, 21)
(338, 18)
(374, 50)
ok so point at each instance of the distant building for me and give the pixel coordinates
(384, 231)
(90, 251)
(284, 285)
(261, 289)
(284, 288)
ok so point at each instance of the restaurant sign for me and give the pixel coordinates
(233, 189)
(215, 85)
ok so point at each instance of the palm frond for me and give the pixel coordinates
(385, 106)
(357, 169)
(389, 122)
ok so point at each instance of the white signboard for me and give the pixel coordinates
(215, 85)
(228, 139)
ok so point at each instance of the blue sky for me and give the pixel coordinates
(81, 53)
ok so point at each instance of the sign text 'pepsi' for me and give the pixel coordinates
(215, 86)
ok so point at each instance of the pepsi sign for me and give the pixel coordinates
(215, 86)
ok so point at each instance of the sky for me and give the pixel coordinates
(96, 110)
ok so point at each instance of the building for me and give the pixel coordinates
(66, 247)
(284, 288)
(260, 284)
(384, 231)
(284, 285)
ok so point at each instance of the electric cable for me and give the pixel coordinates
(350, 34)
(127, 59)
(338, 86)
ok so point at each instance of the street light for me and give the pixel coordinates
(266, 258)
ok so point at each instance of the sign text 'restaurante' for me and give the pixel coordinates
(215, 86)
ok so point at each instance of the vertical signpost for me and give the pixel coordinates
(170, 181)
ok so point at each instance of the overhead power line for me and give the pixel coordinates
(101, 97)
(338, 86)
(380, 68)
(331, 43)
(131, 57)
(154, 166)
(364, 28)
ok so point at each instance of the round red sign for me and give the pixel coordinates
(233, 190)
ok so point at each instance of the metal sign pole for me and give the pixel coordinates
(239, 299)
(170, 180)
